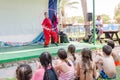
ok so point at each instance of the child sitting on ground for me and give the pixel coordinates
(46, 71)
(72, 55)
(23, 72)
(86, 67)
(64, 67)
(115, 54)
(106, 64)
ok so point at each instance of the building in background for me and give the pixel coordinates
(20, 20)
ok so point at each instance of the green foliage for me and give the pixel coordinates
(67, 3)
(105, 18)
(64, 3)
(74, 19)
(9, 79)
(117, 13)
(80, 19)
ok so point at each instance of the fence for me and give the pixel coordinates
(77, 31)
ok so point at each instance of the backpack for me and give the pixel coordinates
(63, 37)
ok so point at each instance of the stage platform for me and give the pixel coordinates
(11, 54)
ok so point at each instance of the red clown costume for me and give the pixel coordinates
(48, 32)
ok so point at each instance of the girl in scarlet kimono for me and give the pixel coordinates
(48, 32)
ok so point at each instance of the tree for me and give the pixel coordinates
(105, 18)
(63, 5)
(117, 13)
(67, 3)
(86, 26)
(80, 19)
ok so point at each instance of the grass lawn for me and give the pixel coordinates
(118, 73)
(10, 79)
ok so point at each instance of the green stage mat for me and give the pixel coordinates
(11, 54)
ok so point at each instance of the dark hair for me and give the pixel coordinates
(62, 54)
(86, 60)
(98, 16)
(86, 55)
(107, 49)
(71, 49)
(46, 60)
(23, 72)
(111, 43)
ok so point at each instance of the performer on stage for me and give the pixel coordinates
(55, 26)
(55, 23)
(48, 32)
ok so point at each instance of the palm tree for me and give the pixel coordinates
(63, 5)
(86, 23)
(67, 3)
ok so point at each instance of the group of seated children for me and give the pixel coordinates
(115, 52)
(70, 66)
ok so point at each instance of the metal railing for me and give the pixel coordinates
(79, 30)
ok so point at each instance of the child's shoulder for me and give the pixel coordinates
(41, 70)
(93, 62)
(71, 58)
(108, 59)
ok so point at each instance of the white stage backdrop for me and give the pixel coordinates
(20, 20)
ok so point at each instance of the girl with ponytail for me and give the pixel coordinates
(71, 53)
(46, 71)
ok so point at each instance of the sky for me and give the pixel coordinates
(101, 7)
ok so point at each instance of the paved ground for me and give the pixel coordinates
(10, 72)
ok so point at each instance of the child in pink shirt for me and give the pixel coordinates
(46, 72)
(65, 67)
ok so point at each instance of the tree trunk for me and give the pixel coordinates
(86, 23)
(62, 17)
